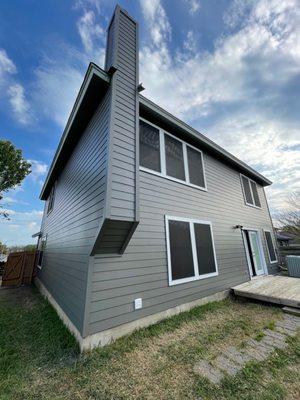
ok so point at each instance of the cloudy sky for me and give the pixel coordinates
(229, 68)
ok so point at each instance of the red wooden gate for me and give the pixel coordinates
(19, 268)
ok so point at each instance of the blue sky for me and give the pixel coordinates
(229, 68)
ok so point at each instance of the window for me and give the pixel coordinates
(149, 147)
(41, 249)
(250, 192)
(51, 199)
(165, 155)
(195, 162)
(270, 247)
(174, 158)
(191, 252)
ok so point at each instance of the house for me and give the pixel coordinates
(284, 238)
(144, 216)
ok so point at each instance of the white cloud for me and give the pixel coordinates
(13, 90)
(7, 66)
(38, 169)
(157, 21)
(19, 103)
(190, 43)
(193, 6)
(238, 91)
(62, 67)
(89, 30)
(20, 227)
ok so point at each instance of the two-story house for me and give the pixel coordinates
(144, 216)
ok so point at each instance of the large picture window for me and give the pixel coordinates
(165, 155)
(270, 247)
(250, 192)
(191, 252)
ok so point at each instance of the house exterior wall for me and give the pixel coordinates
(142, 270)
(72, 224)
(122, 53)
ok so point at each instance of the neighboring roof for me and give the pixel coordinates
(92, 90)
(284, 236)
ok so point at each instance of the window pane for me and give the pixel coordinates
(195, 167)
(149, 147)
(247, 191)
(182, 264)
(255, 193)
(270, 245)
(174, 158)
(204, 246)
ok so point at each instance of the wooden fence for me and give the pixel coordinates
(19, 268)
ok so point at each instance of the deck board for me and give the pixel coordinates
(276, 289)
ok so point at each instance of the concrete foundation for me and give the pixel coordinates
(105, 337)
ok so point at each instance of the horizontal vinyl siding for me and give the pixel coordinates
(123, 169)
(142, 270)
(73, 223)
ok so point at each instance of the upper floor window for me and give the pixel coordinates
(250, 192)
(51, 198)
(165, 155)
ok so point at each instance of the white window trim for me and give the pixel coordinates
(40, 242)
(197, 276)
(261, 250)
(272, 239)
(162, 150)
(249, 204)
(52, 193)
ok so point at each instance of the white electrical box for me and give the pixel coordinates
(138, 304)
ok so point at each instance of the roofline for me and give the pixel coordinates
(193, 133)
(93, 69)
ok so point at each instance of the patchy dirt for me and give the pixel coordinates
(23, 296)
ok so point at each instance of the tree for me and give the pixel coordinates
(3, 248)
(290, 218)
(13, 169)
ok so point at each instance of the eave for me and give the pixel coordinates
(170, 122)
(92, 90)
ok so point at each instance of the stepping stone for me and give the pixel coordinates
(275, 335)
(236, 356)
(285, 332)
(210, 372)
(291, 310)
(274, 343)
(260, 347)
(287, 325)
(254, 354)
(226, 365)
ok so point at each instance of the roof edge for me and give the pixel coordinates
(92, 70)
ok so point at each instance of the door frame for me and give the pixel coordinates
(261, 251)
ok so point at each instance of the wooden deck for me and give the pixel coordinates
(277, 289)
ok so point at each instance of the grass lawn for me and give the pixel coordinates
(39, 359)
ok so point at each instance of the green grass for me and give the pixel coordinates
(39, 358)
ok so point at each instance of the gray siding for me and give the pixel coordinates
(124, 56)
(72, 225)
(121, 209)
(142, 270)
